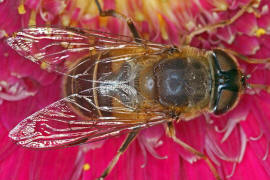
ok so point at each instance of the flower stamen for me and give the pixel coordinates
(86, 166)
(164, 33)
(256, 138)
(233, 170)
(266, 152)
(21, 9)
(259, 32)
(43, 65)
(32, 20)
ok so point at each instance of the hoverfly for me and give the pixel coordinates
(115, 84)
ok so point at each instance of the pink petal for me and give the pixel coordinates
(207, 4)
(8, 9)
(241, 46)
(33, 4)
(241, 25)
(114, 26)
(109, 4)
(258, 143)
(173, 31)
(261, 113)
(98, 159)
(20, 163)
(234, 4)
(54, 7)
(7, 148)
(198, 170)
(14, 112)
(20, 90)
(263, 52)
(264, 41)
(264, 20)
(149, 140)
(250, 168)
(225, 34)
(39, 164)
(260, 75)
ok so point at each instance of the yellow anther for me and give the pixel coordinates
(32, 20)
(260, 32)
(103, 21)
(65, 20)
(139, 16)
(21, 9)
(43, 65)
(162, 24)
(86, 167)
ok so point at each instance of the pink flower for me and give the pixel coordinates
(236, 143)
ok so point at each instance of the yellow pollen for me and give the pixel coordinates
(43, 65)
(21, 9)
(260, 32)
(86, 167)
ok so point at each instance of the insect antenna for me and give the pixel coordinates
(254, 86)
(245, 77)
(248, 59)
(259, 87)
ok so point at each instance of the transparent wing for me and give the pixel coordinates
(102, 101)
(58, 126)
(54, 46)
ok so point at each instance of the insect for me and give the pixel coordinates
(115, 84)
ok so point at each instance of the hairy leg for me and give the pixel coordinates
(130, 137)
(247, 59)
(116, 14)
(171, 132)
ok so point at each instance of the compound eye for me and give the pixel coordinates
(227, 100)
(227, 82)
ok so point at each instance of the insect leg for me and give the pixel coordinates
(113, 13)
(171, 133)
(251, 61)
(224, 23)
(130, 137)
(248, 59)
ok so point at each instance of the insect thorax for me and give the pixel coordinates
(182, 83)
